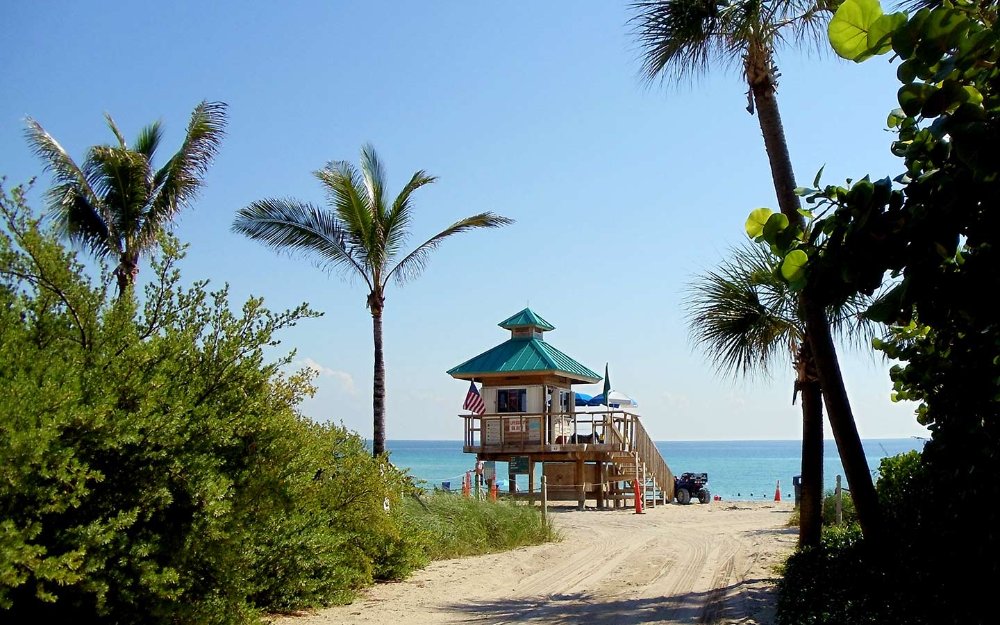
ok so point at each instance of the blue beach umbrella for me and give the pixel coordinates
(582, 399)
(615, 399)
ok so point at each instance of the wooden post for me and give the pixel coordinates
(581, 491)
(638, 476)
(511, 480)
(531, 481)
(620, 490)
(600, 485)
(545, 502)
(840, 509)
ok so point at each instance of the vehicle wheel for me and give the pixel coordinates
(683, 496)
(704, 496)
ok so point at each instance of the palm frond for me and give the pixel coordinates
(81, 223)
(397, 223)
(148, 140)
(115, 131)
(741, 315)
(78, 211)
(852, 327)
(374, 176)
(807, 23)
(680, 39)
(122, 178)
(413, 264)
(178, 181)
(344, 188)
(912, 6)
(298, 226)
(54, 159)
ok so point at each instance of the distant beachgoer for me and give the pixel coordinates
(480, 468)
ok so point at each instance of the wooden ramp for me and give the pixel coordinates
(595, 455)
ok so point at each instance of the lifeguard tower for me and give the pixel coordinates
(531, 417)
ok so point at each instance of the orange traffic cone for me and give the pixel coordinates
(467, 485)
(777, 491)
(493, 490)
(638, 497)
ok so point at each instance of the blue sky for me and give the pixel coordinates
(622, 191)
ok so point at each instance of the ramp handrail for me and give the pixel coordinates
(650, 455)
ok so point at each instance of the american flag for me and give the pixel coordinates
(474, 401)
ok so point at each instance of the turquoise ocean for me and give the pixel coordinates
(737, 470)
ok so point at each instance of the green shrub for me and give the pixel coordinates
(847, 512)
(910, 580)
(154, 466)
(843, 582)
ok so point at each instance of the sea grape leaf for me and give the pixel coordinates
(793, 267)
(880, 33)
(755, 222)
(849, 28)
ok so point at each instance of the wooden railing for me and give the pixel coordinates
(655, 464)
(519, 430)
(619, 429)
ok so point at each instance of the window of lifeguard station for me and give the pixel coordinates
(512, 400)
(563, 401)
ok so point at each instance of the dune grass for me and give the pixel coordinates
(452, 526)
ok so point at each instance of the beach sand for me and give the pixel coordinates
(700, 563)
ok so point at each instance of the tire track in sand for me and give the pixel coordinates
(573, 574)
(698, 583)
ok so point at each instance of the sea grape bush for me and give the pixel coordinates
(154, 466)
(931, 233)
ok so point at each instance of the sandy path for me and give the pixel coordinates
(673, 564)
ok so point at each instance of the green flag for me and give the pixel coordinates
(607, 385)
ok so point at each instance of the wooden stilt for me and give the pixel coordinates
(581, 492)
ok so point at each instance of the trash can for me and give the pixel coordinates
(797, 484)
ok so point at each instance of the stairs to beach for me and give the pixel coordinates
(640, 463)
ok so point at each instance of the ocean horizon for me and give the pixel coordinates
(740, 470)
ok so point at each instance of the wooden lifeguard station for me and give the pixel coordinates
(531, 417)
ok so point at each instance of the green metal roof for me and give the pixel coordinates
(526, 318)
(524, 355)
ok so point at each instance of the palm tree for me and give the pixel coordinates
(115, 204)
(362, 234)
(748, 320)
(682, 38)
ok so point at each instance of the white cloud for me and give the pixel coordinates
(345, 379)
(675, 400)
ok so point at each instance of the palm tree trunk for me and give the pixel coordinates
(126, 272)
(776, 146)
(811, 502)
(845, 430)
(838, 405)
(378, 395)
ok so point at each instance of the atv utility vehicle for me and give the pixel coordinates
(690, 485)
